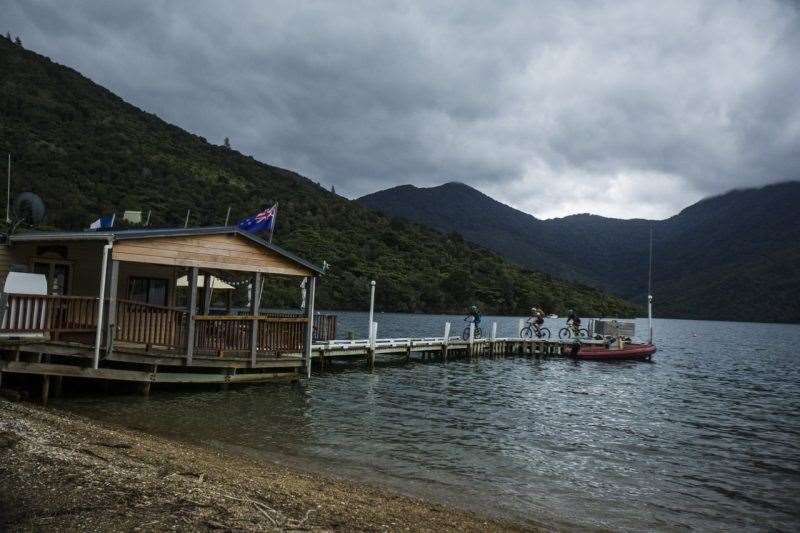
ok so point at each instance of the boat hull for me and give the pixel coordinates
(633, 351)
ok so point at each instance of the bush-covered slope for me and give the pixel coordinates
(86, 151)
(734, 256)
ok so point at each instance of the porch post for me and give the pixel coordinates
(192, 312)
(206, 293)
(113, 281)
(311, 286)
(255, 305)
(101, 305)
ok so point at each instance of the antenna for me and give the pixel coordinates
(650, 290)
(8, 192)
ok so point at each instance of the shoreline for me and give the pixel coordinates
(64, 471)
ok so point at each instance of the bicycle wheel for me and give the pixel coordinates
(564, 333)
(526, 332)
(544, 333)
(583, 333)
(465, 334)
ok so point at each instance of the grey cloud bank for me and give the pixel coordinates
(553, 107)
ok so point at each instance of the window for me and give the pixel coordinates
(148, 290)
(57, 275)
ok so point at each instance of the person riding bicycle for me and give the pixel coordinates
(573, 320)
(474, 314)
(537, 317)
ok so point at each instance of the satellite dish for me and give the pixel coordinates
(28, 209)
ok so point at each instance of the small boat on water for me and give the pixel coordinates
(612, 338)
(626, 352)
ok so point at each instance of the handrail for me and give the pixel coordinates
(260, 318)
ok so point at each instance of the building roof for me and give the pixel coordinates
(128, 234)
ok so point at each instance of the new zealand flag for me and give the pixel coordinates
(263, 220)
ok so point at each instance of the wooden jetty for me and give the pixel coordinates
(439, 348)
(111, 312)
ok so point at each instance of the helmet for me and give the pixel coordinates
(473, 307)
(570, 312)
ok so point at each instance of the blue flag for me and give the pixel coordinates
(104, 222)
(263, 220)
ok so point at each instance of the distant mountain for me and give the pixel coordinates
(88, 152)
(733, 257)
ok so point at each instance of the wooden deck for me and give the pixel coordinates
(148, 345)
(55, 336)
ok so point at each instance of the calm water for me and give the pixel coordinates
(705, 437)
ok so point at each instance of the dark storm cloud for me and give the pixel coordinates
(625, 110)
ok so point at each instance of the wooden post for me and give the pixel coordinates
(58, 386)
(446, 340)
(371, 305)
(101, 305)
(192, 312)
(255, 306)
(311, 289)
(45, 389)
(373, 338)
(408, 352)
(111, 327)
(471, 338)
(146, 384)
(207, 288)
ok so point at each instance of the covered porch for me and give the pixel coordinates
(190, 299)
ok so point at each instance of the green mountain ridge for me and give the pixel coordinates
(85, 151)
(730, 257)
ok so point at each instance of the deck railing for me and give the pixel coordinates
(49, 314)
(150, 324)
(275, 334)
(153, 325)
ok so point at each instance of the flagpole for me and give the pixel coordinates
(228, 215)
(147, 223)
(274, 221)
(8, 194)
(186, 222)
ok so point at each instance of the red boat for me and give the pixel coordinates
(632, 351)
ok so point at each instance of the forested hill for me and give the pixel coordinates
(86, 152)
(733, 257)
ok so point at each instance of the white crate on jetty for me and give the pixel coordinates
(111, 312)
(614, 328)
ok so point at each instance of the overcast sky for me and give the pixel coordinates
(623, 109)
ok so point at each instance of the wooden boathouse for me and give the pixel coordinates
(112, 309)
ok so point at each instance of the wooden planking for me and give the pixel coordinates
(225, 252)
(49, 369)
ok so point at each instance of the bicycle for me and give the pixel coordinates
(465, 334)
(533, 330)
(571, 331)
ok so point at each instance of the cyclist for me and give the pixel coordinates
(537, 318)
(474, 314)
(573, 321)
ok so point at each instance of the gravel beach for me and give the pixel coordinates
(60, 471)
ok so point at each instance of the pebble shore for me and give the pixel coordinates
(60, 471)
